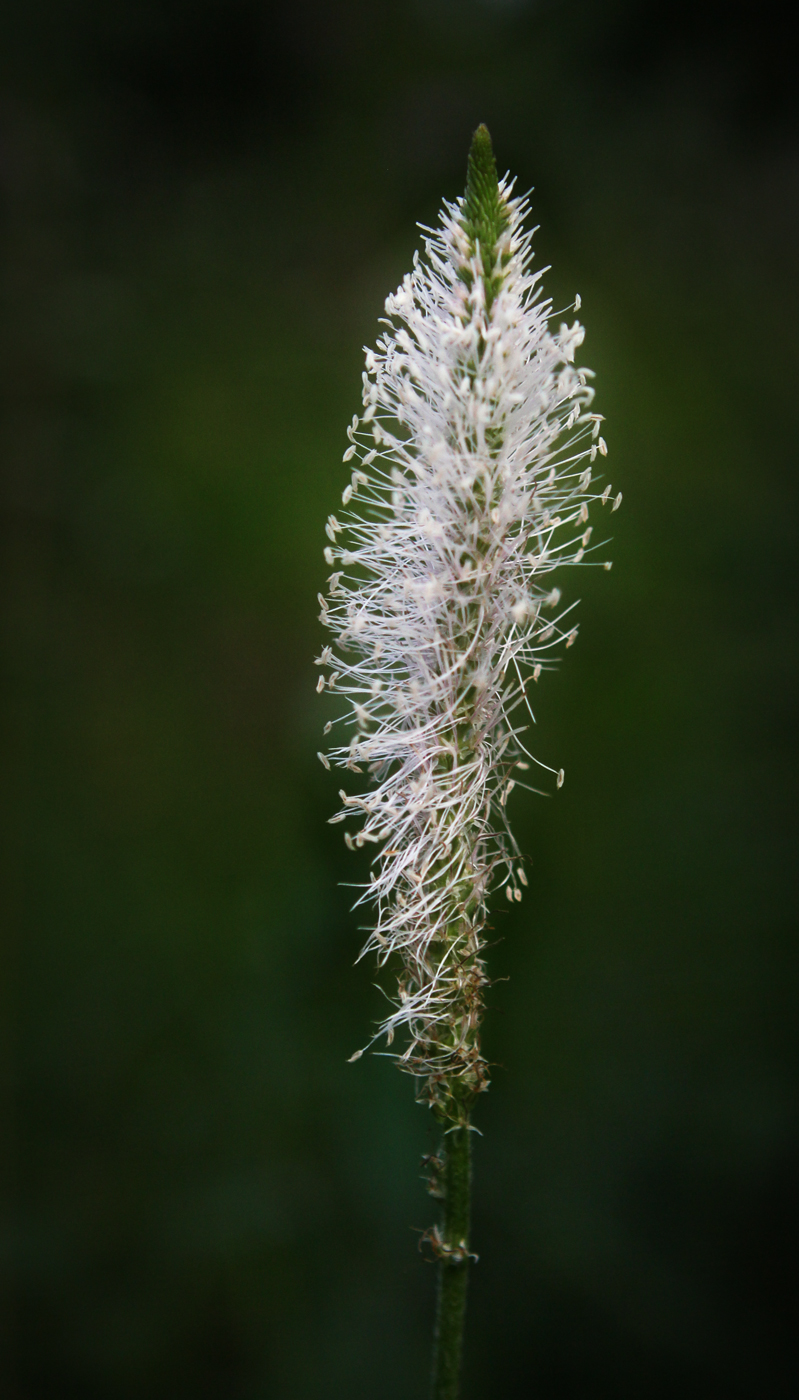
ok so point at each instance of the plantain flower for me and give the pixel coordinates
(473, 479)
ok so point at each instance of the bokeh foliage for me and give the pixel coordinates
(205, 206)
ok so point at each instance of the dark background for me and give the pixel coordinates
(205, 205)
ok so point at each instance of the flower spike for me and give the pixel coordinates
(472, 484)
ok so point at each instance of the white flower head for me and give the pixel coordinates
(472, 483)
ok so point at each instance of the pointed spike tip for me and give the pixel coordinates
(482, 148)
(481, 177)
(484, 211)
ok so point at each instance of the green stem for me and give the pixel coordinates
(453, 1268)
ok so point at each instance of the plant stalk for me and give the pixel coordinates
(453, 1267)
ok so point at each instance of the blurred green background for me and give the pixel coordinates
(205, 205)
